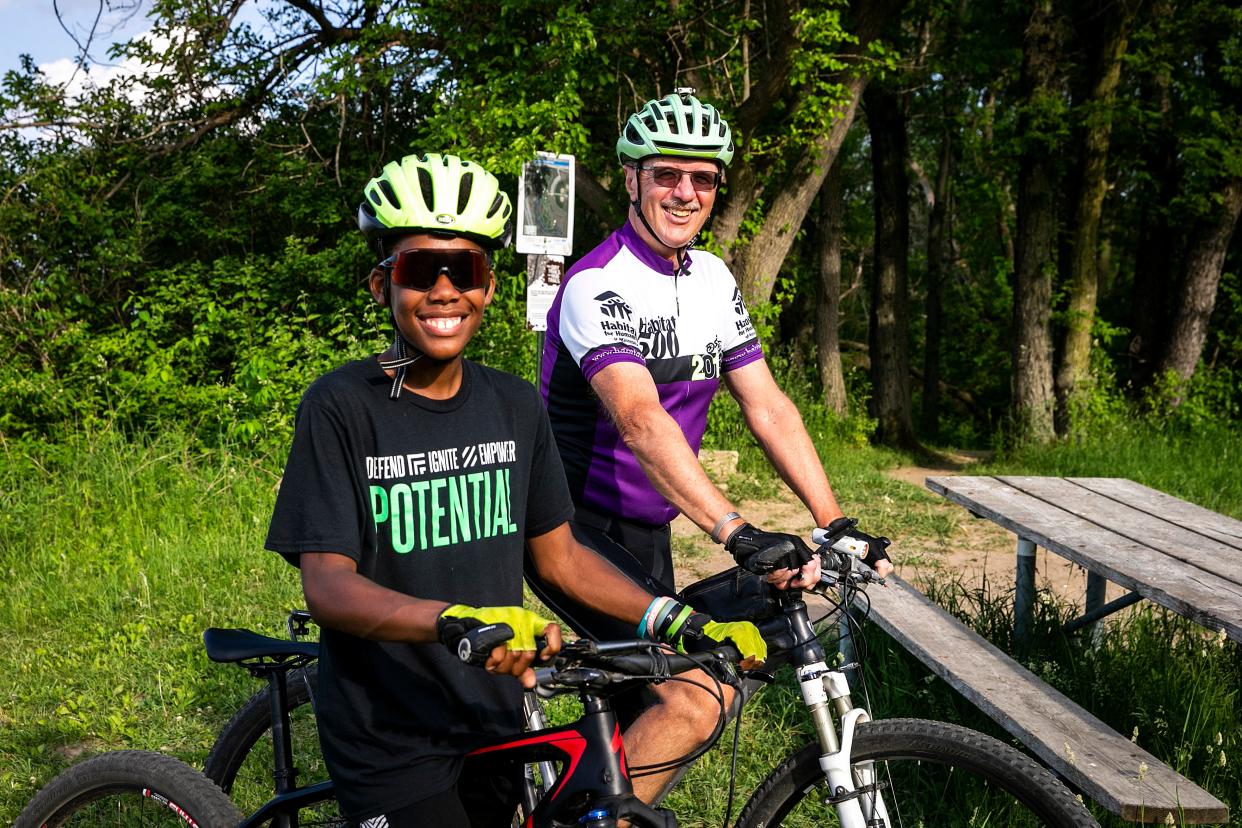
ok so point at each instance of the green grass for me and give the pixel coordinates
(115, 557)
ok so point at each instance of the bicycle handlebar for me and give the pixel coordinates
(589, 664)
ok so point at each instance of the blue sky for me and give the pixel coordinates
(30, 27)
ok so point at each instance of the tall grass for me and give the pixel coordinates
(115, 557)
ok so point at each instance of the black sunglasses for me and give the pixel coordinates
(419, 268)
(671, 177)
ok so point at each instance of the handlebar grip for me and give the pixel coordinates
(476, 645)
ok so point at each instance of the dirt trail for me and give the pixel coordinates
(973, 550)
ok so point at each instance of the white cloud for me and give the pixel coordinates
(77, 80)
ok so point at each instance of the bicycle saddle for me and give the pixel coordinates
(243, 645)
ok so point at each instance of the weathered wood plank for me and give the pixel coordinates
(1196, 550)
(1107, 767)
(1203, 597)
(1173, 509)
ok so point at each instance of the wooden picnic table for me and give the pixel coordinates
(1162, 548)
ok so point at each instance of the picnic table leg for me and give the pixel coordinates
(1095, 599)
(1024, 594)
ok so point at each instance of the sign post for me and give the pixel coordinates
(545, 232)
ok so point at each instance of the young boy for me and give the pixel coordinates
(413, 483)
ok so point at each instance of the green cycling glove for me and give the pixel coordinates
(744, 635)
(458, 620)
(678, 625)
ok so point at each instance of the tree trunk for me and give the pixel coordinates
(1109, 45)
(1033, 248)
(890, 315)
(828, 306)
(758, 264)
(935, 275)
(1151, 292)
(1197, 297)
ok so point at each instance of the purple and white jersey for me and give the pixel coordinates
(621, 303)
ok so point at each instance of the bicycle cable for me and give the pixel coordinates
(861, 645)
(737, 732)
(717, 693)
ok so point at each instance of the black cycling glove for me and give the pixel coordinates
(761, 552)
(876, 547)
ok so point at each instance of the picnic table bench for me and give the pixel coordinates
(1179, 555)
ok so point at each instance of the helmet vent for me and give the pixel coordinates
(463, 192)
(390, 193)
(374, 196)
(671, 120)
(631, 134)
(649, 122)
(499, 200)
(427, 187)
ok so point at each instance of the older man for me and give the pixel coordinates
(639, 337)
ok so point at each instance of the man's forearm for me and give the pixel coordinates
(586, 577)
(784, 439)
(341, 598)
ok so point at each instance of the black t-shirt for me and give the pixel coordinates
(433, 498)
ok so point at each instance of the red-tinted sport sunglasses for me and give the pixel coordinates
(420, 268)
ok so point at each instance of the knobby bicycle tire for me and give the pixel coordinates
(958, 775)
(129, 788)
(252, 722)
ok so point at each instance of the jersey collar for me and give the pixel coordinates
(634, 242)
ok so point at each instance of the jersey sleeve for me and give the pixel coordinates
(549, 503)
(741, 343)
(597, 324)
(317, 508)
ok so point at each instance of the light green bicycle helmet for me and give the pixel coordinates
(436, 193)
(678, 125)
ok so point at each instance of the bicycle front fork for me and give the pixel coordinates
(852, 786)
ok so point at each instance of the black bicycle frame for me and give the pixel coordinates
(594, 778)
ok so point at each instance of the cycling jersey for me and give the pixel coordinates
(623, 303)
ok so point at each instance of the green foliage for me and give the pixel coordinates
(1192, 459)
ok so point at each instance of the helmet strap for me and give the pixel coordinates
(405, 353)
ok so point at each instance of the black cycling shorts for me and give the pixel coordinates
(642, 552)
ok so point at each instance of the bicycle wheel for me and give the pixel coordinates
(240, 761)
(933, 773)
(129, 788)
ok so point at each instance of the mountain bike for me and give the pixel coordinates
(869, 773)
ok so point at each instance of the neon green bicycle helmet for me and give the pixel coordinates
(678, 125)
(435, 193)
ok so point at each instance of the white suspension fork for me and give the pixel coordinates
(851, 786)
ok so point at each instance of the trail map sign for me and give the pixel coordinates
(543, 277)
(545, 212)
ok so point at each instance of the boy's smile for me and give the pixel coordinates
(438, 322)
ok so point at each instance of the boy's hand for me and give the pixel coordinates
(513, 657)
(693, 632)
